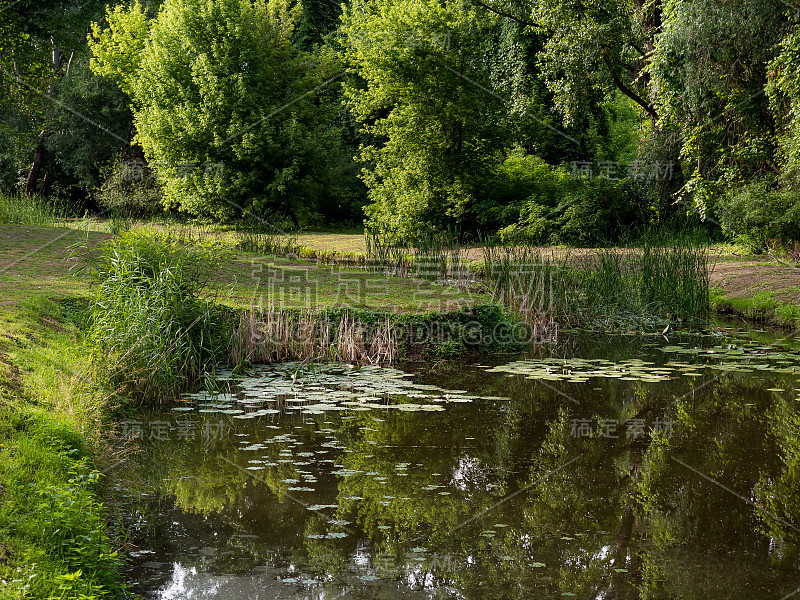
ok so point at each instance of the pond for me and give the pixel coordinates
(614, 467)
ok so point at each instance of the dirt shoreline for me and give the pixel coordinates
(757, 288)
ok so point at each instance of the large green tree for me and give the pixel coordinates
(226, 106)
(420, 88)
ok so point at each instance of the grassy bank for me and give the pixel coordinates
(55, 537)
(771, 307)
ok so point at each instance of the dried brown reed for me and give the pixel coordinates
(279, 335)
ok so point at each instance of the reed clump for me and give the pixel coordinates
(18, 209)
(431, 256)
(654, 281)
(277, 335)
(151, 333)
(258, 239)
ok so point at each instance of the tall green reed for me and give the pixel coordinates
(152, 333)
(650, 282)
(432, 256)
(18, 209)
(261, 241)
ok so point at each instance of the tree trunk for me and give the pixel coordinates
(38, 159)
(39, 153)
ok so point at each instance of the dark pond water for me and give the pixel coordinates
(617, 467)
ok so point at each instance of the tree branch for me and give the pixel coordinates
(629, 92)
(508, 15)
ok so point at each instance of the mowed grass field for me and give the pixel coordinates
(44, 261)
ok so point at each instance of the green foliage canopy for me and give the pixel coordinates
(224, 104)
(420, 92)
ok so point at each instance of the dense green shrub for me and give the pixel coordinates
(231, 116)
(560, 209)
(524, 190)
(599, 211)
(760, 215)
(131, 190)
(151, 331)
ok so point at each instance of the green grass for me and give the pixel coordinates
(760, 306)
(29, 210)
(36, 260)
(55, 541)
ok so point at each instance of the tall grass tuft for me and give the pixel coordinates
(17, 209)
(652, 282)
(433, 256)
(256, 237)
(151, 332)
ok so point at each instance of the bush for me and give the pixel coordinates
(761, 216)
(599, 211)
(152, 333)
(523, 189)
(579, 212)
(130, 190)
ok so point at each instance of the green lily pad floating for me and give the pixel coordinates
(734, 357)
(319, 389)
(538, 565)
(327, 536)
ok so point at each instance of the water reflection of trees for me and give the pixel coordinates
(624, 520)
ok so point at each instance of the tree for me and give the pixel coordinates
(784, 94)
(318, 19)
(709, 70)
(225, 106)
(420, 89)
(38, 43)
(593, 52)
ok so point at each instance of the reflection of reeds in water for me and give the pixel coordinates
(279, 335)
